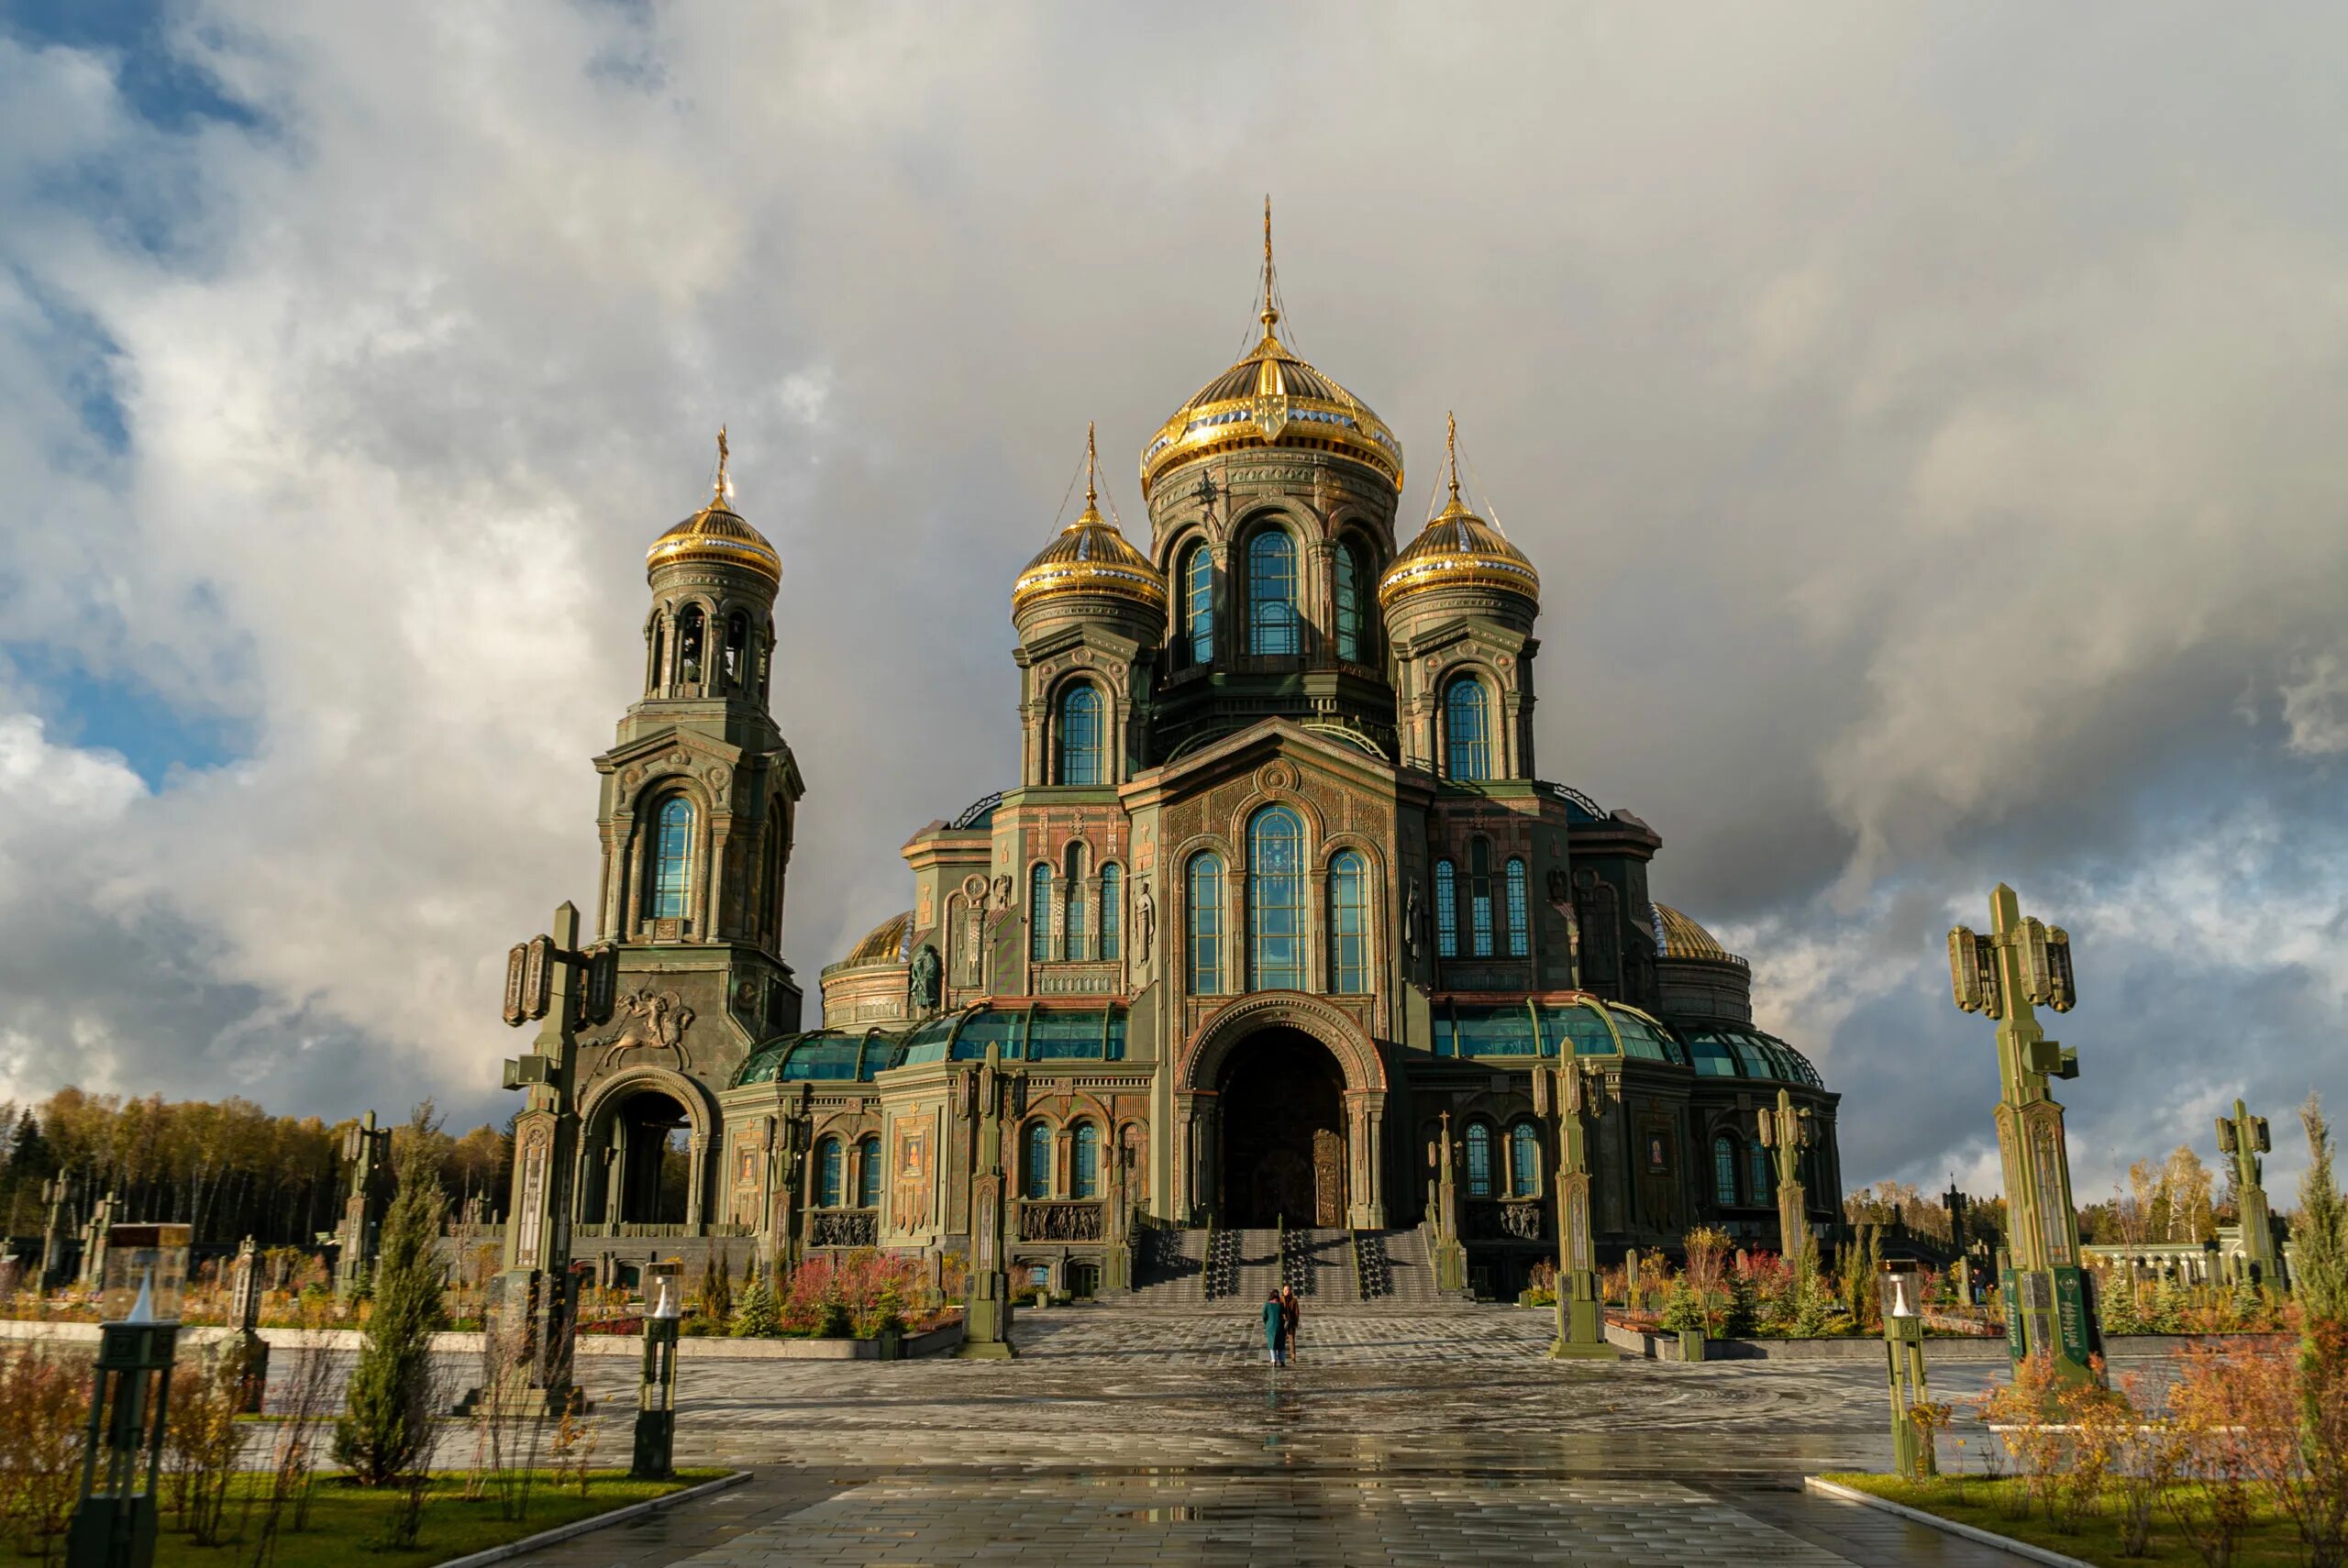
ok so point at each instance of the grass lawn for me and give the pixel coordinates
(1996, 1505)
(346, 1521)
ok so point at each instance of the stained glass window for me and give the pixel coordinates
(1479, 1160)
(1079, 734)
(1198, 602)
(1348, 600)
(1467, 729)
(1040, 912)
(1037, 1171)
(1276, 898)
(868, 1173)
(1206, 925)
(1349, 923)
(1271, 592)
(1447, 909)
(1725, 1171)
(1113, 906)
(1524, 1160)
(1520, 936)
(671, 860)
(1479, 898)
(1084, 1164)
(827, 1174)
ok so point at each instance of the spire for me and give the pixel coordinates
(718, 495)
(1270, 315)
(1451, 451)
(1091, 513)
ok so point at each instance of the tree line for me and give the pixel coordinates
(227, 1167)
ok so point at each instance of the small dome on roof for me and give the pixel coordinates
(1090, 557)
(716, 534)
(884, 944)
(1457, 548)
(1679, 937)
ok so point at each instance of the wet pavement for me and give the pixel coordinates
(1120, 1436)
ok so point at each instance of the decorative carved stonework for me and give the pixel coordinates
(1063, 1221)
(843, 1228)
(656, 1020)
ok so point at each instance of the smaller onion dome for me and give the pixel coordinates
(1681, 937)
(1457, 548)
(716, 534)
(1090, 557)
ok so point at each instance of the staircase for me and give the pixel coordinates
(1223, 1269)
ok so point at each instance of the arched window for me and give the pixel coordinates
(1113, 907)
(656, 634)
(1479, 1160)
(1763, 1181)
(1276, 898)
(670, 860)
(1206, 925)
(1080, 735)
(1271, 592)
(737, 650)
(1524, 1160)
(1072, 945)
(1447, 909)
(1725, 1171)
(868, 1173)
(1349, 923)
(689, 631)
(1196, 574)
(1036, 1173)
(1039, 914)
(827, 1174)
(1479, 898)
(1349, 597)
(1467, 729)
(1519, 937)
(1084, 1162)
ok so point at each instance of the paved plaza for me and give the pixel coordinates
(1120, 1436)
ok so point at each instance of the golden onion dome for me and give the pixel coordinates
(1272, 398)
(1681, 937)
(1090, 557)
(884, 944)
(716, 534)
(1457, 548)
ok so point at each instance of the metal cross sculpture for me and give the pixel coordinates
(2242, 1138)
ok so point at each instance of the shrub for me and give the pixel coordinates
(387, 1429)
(44, 1409)
(755, 1317)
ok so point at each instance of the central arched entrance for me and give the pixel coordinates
(1283, 1141)
(650, 1137)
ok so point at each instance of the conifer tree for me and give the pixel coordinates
(2320, 1260)
(386, 1432)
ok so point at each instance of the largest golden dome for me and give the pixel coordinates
(1090, 557)
(1272, 398)
(716, 534)
(1457, 548)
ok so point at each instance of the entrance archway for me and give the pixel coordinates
(651, 1159)
(1281, 1094)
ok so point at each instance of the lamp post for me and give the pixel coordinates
(1899, 1288)
(146, 1272)
(550, 980)
(2022, 965)
(656, 1397)
(1568, 1093)
(2242, 1138)
(986, 1314)
(1785, 1132)
(1450, 1259)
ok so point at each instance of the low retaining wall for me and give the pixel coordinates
(709, 1347)
(1868, 1347)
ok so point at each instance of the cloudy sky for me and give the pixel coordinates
(1927, 423)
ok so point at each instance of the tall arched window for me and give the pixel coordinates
(1524, 1160)
(868, 1173)
(688, 635)
(671, 861)
(1276, 899)
(1762, 1179)
(1350, 586)
(1447, 909)
(1467, 729)
(1519, 937)
(1035, 1172)
(1039, 914)
(1072, 945)
(1084, 1162)
(1349, 924)
(827, 1174)
(1271, 592)
(1479, 1160)
(1080, 737)
(1197, 578)
(656, 634)
(1725, 1171)
(1113, 907)
(1206, 925)
(737, 650)
(1479, 898)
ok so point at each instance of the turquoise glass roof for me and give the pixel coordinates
(1022, 1034)
(1749, 1053)
(827, 1055)
(1583, 1027)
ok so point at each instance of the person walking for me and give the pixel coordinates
(1275, 1326)
(1292, 1310)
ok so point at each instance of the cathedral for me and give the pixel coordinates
(1272, 928)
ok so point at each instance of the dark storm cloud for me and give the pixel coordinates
(1923, 421)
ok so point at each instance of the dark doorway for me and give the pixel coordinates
(1283, 1133)
(651, 1138)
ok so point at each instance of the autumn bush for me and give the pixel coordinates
(44, 1413)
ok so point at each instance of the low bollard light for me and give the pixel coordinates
(656, 1405)
(146, 1273)
(1900, 1292)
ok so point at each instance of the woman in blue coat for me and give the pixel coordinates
(1274, 1324)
